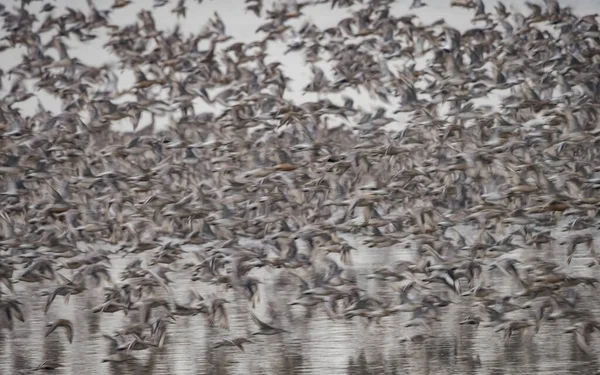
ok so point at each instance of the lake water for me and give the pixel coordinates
(316, 344)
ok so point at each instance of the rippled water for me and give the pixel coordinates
(315, 345)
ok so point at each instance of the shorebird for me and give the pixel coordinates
(265, 182)
(64, 323)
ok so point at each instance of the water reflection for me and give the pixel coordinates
(133, 367)
(21, 362)
(53, 350)
(316, 344)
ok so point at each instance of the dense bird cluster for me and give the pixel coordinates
(268, 186)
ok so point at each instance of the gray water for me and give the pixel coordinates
(316, 344)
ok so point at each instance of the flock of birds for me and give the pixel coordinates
(271, 187)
